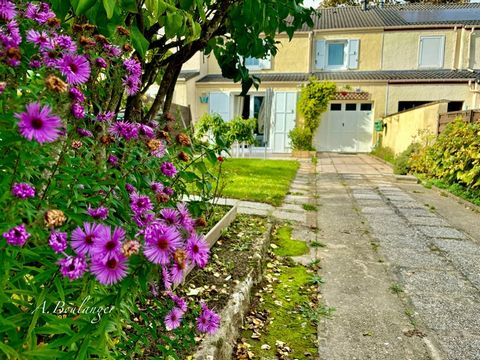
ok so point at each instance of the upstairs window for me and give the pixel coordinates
(431, 52)
(337, 54)
(258, 64)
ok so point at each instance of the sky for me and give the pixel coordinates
(313, 3)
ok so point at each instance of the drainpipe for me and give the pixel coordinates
(310, 52)
(455, 45)
(469, 50)
(387, 93)
(460, 55)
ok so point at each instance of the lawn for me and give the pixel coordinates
(265, 181)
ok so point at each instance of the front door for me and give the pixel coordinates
(283, 120)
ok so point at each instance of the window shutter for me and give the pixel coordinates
(320, 54)
(266, 63)
(353, 48)
(219, 103)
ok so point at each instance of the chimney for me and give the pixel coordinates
(365, 5)
(381, 4)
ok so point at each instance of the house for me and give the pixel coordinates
(383, 60)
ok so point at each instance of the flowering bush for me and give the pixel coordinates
(95, 235)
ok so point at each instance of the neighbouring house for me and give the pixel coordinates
(383, 60)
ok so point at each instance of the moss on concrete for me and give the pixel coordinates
(286, 246)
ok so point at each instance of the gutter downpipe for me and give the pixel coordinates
(460, 55)
(310, 51)
(455, 45)
(387, 93)
(469, 50)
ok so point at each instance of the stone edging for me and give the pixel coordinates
(458, 199)
(220, 346)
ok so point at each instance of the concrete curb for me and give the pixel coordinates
(466, 203)
(220, 346)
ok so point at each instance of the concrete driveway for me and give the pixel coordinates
(401, 266)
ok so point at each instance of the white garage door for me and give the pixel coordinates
(345, 127)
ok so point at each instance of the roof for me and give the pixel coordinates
(387, 76)
(399, 15)
(188, 74)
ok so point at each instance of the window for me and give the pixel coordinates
(406, 105)
(252, 62)
(336, 54)
(350, 107)
(431, 50)
(258, 64)
(366, 107)
(455, 106)
(335, 107)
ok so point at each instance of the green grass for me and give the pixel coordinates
(470, 195)
(384, 153)
(309, 207)
(292, 322)
(265, 181)
(286, 245)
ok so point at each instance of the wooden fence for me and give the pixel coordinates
(467, 116)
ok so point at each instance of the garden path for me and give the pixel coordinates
(403, 275)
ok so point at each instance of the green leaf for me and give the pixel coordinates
(139, 42)
(173, 24)
(109, 6)
(83, 5)
(9, 351)
(129, 5)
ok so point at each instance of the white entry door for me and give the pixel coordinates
(284, 116)
(345, 127)
(219, 103)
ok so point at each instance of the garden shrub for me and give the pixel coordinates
(454, 157)
(401, 164)
(301, 139)
(384, 153)
(94, 231)
(226, 132)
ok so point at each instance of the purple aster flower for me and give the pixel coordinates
(160, 151)
(124, 129)
(170, 216)
(168, 169)
(112, 160)
(17, 235)
(105, 116)
(156, 186)
(143, 219)
(160, 243)
(110, 270)
(76, 68)
(10, 37)
(41, 39)
(178, 301)
(208, 321)
(40, 13)
(133, 67)
(109, 243)
(98, 213)
(65, 42)
(7, 10)
(132, 84)
(35, 64)
(84, 132)
(173, 319)
(76, 94)
(168, 191)
(83, 240)
(73, 267)
(167, 278)
(100, 62)
(146, 131)
(50, 58)
(23, 190)
(177, 273)
(13, 62)
(197, 250)
(58, 241)
(112, 50)
(37, 123)
(140, 203)
(130, 188)
(77, 110)
(184, 217)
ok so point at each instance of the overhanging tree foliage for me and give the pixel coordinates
(167, 33)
